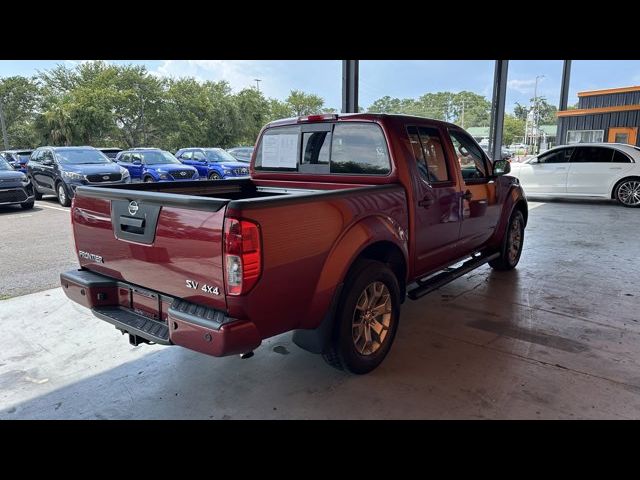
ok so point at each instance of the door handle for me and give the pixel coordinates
(467, 195)
(615, 168)
(426, 202)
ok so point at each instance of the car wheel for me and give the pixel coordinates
(148, 180)
(214, 176)
(28, 205)
(36, 193)
(63, 197)
(627, 193)
(511, 244)
(366, 319)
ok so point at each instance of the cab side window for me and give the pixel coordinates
(472, 161)
(429, 154)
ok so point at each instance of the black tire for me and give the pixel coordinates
(342, 352)
(63, 195)
(510, 254)
(214, 176)
(148, 180)
(626, 192)
(37, 194)
(28, 205)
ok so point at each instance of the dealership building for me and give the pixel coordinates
(610, 115)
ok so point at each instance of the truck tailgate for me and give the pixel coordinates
(164, 242)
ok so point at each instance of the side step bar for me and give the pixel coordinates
(448, 275)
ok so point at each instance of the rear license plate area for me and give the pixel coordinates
(146, 303)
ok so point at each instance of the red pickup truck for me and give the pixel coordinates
(344, 217)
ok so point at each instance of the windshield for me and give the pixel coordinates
(159, 157)
(24, 157)
(219, 155)
(4, 165)
(81, 156)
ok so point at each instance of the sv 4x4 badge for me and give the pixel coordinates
(205, 288)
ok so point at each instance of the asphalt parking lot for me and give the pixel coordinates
(35, 246)
(537, 342)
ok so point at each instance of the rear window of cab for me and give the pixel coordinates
(324, 148)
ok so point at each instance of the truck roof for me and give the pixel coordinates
(371, 117)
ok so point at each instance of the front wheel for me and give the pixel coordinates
(628, 193)
(214, 176)
(36, 193)
(511, 244)
(63, 198)
(366, 319)
(148, 180)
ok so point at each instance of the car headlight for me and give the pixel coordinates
(24, 180)
(227, 172)
(124, 172)
(72, 176)
(163, 175)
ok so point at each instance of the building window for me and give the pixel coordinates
(585, 136)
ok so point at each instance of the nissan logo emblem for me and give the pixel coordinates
(133, 208)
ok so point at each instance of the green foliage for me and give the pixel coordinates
(463, 108)
(513, 129)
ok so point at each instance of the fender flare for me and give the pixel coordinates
(347, 248)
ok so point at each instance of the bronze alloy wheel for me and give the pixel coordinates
(515, 240)
(371, 318)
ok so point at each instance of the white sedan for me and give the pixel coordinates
(606, 170)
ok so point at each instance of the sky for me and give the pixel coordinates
(396, 78)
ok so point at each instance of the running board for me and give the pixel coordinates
(448, 275)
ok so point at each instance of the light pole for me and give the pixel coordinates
(257, 83)
(534, 130)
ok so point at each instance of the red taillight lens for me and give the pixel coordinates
(242, 255)
(317, 118)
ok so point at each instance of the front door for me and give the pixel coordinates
(437, 208)
(547, 173)
(623, 135)
(480, 209)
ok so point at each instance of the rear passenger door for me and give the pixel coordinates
(480, 209)
(437, 212)
(593, 170)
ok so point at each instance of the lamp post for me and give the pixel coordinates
(257, 83)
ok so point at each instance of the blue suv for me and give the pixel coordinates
(155, 165)
(213, 163)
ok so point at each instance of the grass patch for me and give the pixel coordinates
(4, 297)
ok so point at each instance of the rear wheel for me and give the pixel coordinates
(366, 319)
(511, 244)
(214, 176)
(63, 197)
(627, 193)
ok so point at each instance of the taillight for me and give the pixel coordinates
(317, 118)
(242, 255)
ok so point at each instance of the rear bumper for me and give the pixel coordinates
(172, 322)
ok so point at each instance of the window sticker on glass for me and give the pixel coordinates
(280, 151)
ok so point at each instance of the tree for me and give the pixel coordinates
(302, 103)
(513, 129)
(20, 97)
(546, 112)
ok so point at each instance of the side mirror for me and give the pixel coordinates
(501, 167)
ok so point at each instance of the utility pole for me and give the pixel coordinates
(462, 114)
(5, 137)
(535, 114)
(257, 84)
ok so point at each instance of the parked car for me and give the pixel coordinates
(519, 149)
(242, 154)
(15, 187)
(338, 224)
(213, 163)
(112, 153)
(18, 159)
(506, 154)
(605, 170)
(60, 170)
(155, 165)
